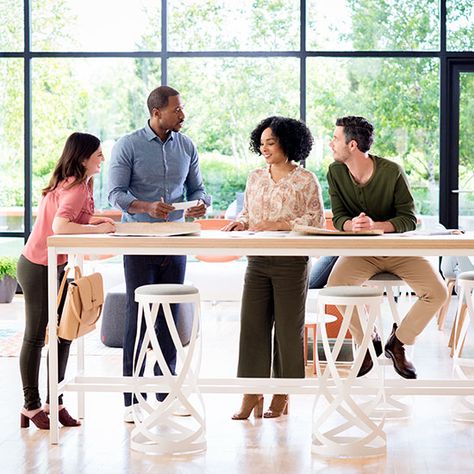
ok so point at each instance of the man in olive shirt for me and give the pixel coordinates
(368, 192)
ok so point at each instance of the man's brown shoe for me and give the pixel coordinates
(394, 350)
(368, 363)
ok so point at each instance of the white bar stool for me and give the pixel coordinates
(341, 422)
(157, 429)
(465, 281)
(393, 407)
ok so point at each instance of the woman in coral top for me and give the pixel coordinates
(67, 207)
(276, 198)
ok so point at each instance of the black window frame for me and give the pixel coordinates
(450, 62)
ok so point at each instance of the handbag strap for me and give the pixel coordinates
(61, 288)
(77, 273)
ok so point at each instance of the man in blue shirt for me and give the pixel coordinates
(151, 169)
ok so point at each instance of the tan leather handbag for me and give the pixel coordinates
(83, 305)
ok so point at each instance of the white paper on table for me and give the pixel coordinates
(156, 229)
(181, 206)
(432, 232)
(264, 233)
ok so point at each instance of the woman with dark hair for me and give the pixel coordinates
(67, 207)
(276, 198)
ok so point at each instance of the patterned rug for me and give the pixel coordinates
(11, 340)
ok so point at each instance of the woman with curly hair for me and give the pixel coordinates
(276, 198)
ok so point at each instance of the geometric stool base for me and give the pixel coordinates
(358, 437)
(164, 432)
(158, 430)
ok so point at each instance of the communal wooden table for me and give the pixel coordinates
(225, 243)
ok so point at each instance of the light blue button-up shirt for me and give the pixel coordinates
(144, 168)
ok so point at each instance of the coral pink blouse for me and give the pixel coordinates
(296, 198)
(75, 203)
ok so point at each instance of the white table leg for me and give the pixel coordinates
(53, 346)
(80, 355)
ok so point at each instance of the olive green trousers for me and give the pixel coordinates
(272, 317)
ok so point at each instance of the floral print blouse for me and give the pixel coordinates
(296, 198)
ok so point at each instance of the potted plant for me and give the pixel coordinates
(8, 281)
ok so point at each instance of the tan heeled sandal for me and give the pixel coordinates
(278, 406)
(249, 403)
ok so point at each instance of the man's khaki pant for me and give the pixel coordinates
(417, 272)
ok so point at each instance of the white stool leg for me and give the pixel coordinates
(316, 364)
(189, 365)
(140, 357)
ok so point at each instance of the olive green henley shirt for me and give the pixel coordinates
(385, 197)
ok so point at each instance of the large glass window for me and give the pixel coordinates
(225, 99)
(373, 25)
(93, 64)
(406, 130)
(11, 25)
(11, 145)
(91, 25)
(460, 25)
(246, 25)
(105, 97)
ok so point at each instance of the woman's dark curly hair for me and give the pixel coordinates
(293, 136)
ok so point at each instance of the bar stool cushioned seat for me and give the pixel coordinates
(385, 276)
(350, 291)
(466, 276)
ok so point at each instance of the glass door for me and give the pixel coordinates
(466, 151)
(457, 146)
